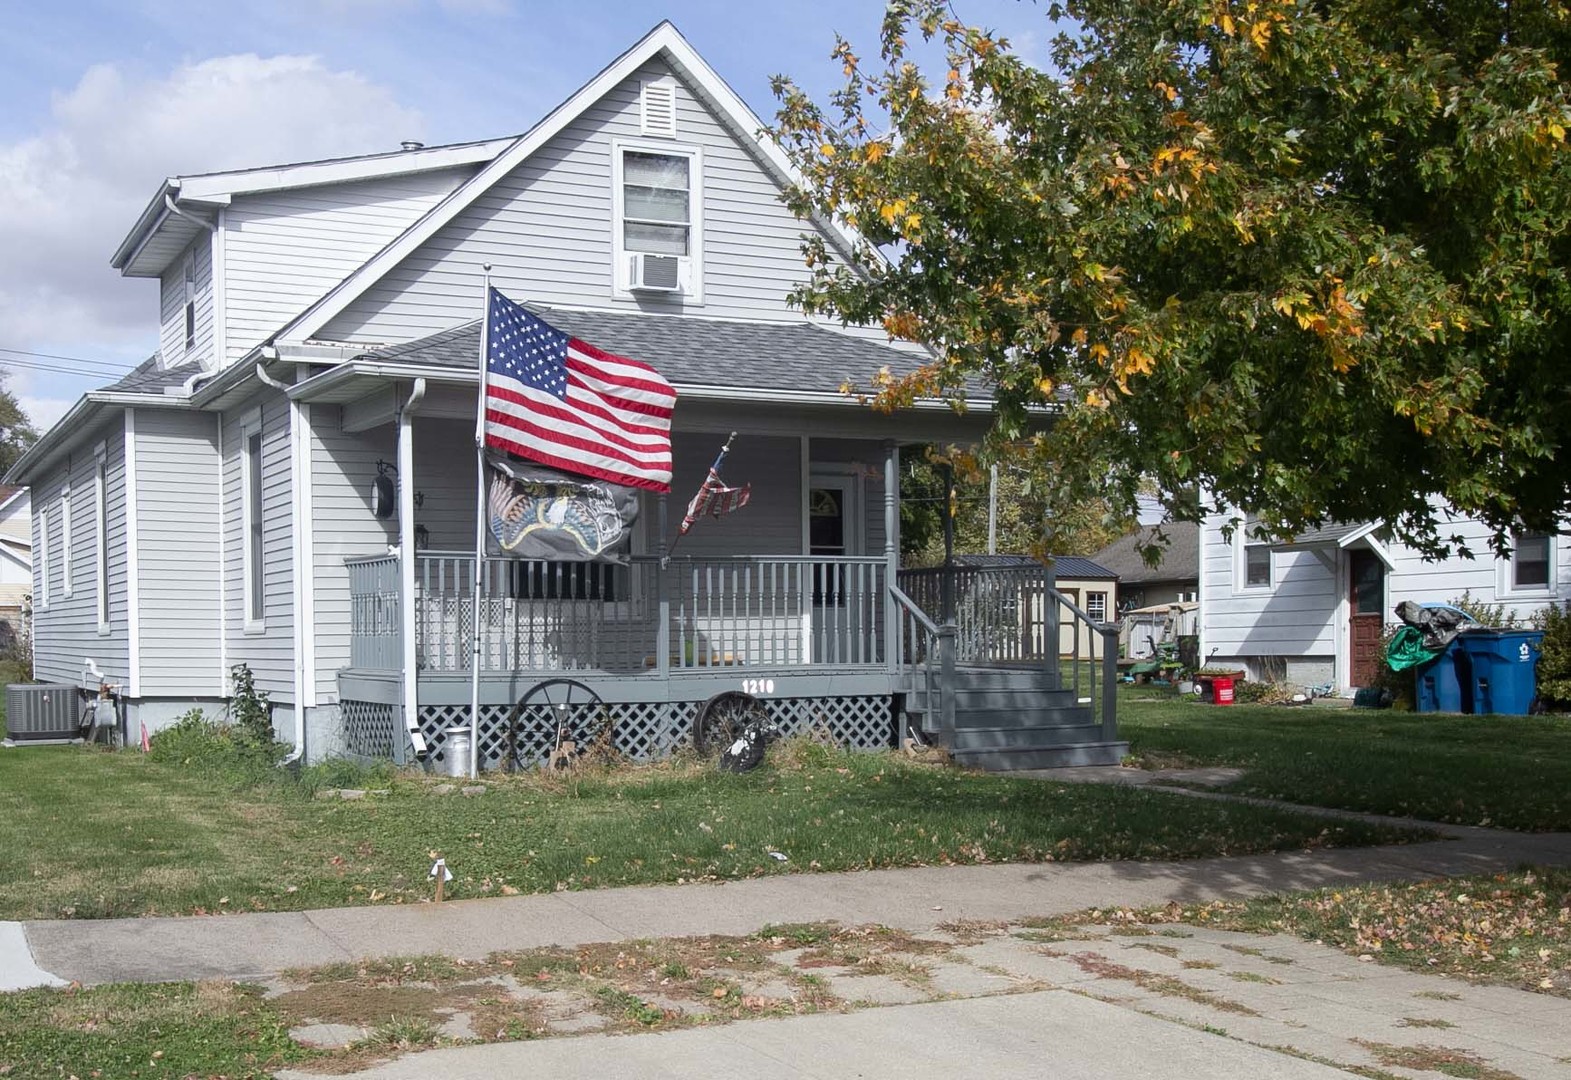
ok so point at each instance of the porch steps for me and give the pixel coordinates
(1018, 719)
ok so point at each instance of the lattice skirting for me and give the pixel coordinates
(642, 731)
(372, 729)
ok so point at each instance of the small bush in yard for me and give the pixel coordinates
(250, 709)
(194, 739)
(1554, 665)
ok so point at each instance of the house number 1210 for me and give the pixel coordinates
(758, 686)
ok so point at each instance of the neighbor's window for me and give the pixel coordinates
(190, 302)
(43, 561)
(1096, 606)
(1530, 561)
(65, 540)
(101, 538)
(656, 203)
(1257, 566)
(251, 515)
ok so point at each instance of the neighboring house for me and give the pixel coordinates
(16, 559)
(1311, 611)
(319, 330)
(1174, 579)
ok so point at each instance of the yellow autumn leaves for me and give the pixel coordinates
(1255, 21)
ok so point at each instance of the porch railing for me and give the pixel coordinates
(924, 654)
(1002, 614)
(692, 613)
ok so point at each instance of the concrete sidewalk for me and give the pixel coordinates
(251, 946)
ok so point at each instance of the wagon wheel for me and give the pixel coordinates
(569, 714)
(722, 718)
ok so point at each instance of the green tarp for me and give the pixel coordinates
(1407, 649)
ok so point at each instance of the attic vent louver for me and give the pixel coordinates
(657, 108)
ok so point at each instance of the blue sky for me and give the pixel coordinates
(100, 100)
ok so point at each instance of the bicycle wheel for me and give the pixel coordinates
(554, 723)
(722, 718)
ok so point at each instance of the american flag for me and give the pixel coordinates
(564, 403)
(713, 496)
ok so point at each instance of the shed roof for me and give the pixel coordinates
(1180, 559)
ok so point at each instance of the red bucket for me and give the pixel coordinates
(1222, 690)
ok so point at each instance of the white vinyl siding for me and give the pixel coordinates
(173, 306)
(548, 229)
(285, 250)
(70, 629)
(44, 544)
(101, 538)
(66, 576)
(267, 649)
(342, 526)
(177, 553)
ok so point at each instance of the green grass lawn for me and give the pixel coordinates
(98, 834)
(1508, 771)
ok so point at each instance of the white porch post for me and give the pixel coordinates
(406, 564)
(891, 550)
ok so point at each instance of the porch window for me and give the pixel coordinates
(252, 525)
(1530, 561)
(1096, 606)
(190, 302)
(656, 203)
(65, 541)
(1257, 566)
(101, 538)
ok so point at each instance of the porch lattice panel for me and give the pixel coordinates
(646, 731)
(370, 729)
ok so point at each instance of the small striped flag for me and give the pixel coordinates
(562, 402)
(713, 497)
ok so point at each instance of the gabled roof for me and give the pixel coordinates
(1180, 558)
(182, 208)
(663, 41)
(797, 356)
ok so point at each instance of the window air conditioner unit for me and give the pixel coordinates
(656, 273)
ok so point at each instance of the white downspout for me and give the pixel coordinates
(296, 600)
(406, 565)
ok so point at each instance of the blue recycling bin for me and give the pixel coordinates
(1504, 676)
(1444, 683)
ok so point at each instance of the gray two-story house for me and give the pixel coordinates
(320, 329)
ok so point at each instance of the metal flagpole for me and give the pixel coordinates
(480, 527)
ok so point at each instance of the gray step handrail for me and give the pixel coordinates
(1107, 669)
(920, 663)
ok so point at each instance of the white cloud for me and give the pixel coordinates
(73, 189)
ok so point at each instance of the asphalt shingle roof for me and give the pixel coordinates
(767, 356)
(1180, 559)
(148, 378)
(1064, 566)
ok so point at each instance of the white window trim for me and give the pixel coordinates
(1103, 594)
(695, 216)
(1241, 565)
(101, 536)
(250, 425)
(43, 559)
(65, 541)
(1505, 576)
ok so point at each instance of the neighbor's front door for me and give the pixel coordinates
(1366, 601)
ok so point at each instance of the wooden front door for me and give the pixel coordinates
(1366, 602)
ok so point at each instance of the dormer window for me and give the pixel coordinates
(658, 239)
(190, 302)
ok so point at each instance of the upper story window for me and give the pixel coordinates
(659, 232)
(1530, 561)
(190, 301)
(1257, 566)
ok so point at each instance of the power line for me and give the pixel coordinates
(60, 369)
(114, 367)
